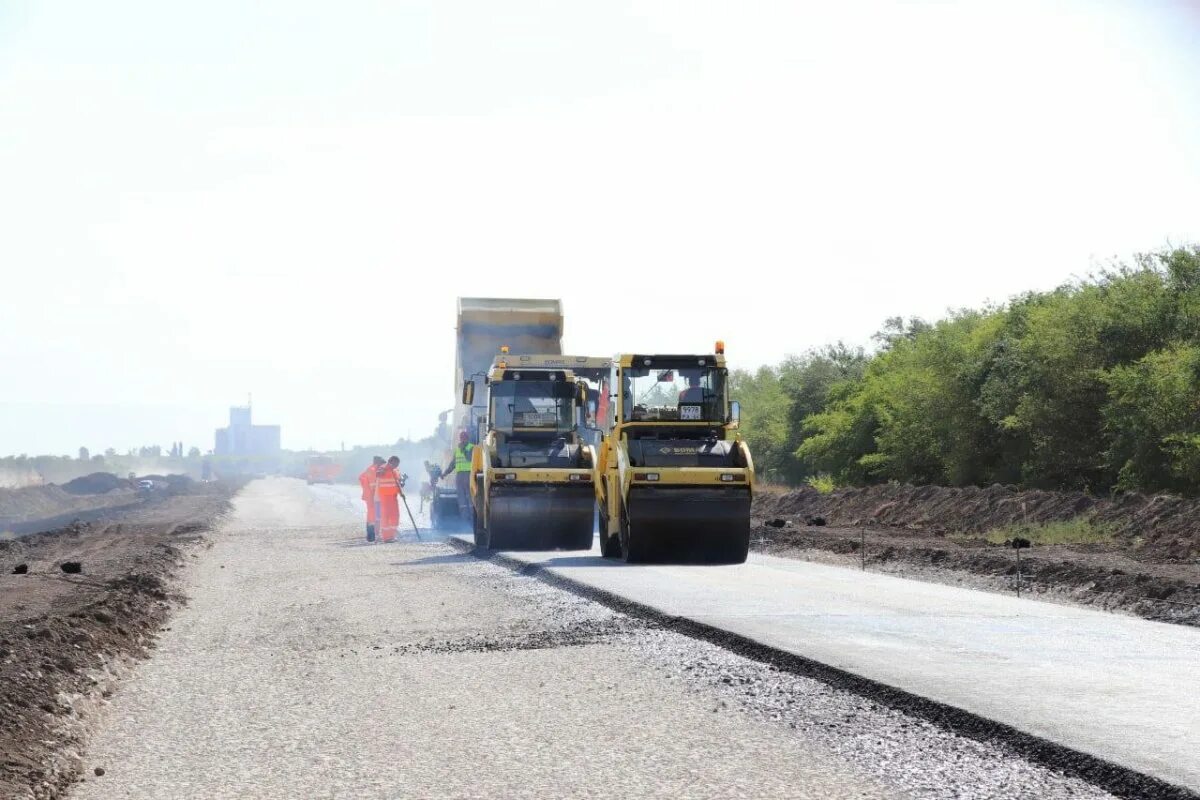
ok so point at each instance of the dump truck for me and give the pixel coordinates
(674, 478)
(484, 325)
(532, 482)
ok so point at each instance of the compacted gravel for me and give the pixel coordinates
(308, 664)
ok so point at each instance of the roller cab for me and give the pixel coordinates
(532, 478)
(674, 478)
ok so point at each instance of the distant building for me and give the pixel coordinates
(243, 438)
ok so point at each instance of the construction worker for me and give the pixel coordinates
(462, 474)
(366, 479)
(388, 491)
(694, 393)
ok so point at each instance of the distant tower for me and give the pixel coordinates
(243, 438)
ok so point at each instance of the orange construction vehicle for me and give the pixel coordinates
(323, 469)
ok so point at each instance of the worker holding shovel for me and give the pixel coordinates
(387, 499)
(389, 491)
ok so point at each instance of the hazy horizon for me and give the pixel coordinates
(284, 199)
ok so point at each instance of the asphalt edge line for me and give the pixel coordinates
(1118, 780)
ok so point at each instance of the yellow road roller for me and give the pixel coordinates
(674, 479)
(532, 481)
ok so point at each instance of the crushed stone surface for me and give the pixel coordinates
(309, 665)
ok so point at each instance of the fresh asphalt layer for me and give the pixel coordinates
(1124, 690)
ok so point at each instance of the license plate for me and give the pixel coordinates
(689, 412)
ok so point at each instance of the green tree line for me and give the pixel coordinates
(1093, 386)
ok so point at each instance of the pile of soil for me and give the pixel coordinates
(32, 502)
(1155, 528)
(44, 507)
(66, 637)
(1150, 568)
(96, 483)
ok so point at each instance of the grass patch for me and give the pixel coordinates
(1078, 530)
(823, 483)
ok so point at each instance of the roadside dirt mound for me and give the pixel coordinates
(25, 509)
(32, 502)
(67, 639)
(96, 483)
(1157, 528)
(1150, 567)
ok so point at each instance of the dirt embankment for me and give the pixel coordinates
(87, 498)
(37, 508)
(40, 507)
(1146, 560)
(76, 606)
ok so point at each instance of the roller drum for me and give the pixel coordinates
(687, 524)
(534, 516)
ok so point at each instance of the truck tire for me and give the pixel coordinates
(444, 515)
(437, 514)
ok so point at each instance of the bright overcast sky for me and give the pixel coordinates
(202, 200)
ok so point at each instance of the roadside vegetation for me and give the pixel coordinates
(823, 483)
(1094, 386)
(1079, 530)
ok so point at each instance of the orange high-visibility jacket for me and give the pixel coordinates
(387, 481)
(366, 479)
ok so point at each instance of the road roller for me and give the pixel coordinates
(532, 477)
(674, 478)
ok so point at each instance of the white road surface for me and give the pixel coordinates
(1124, 689)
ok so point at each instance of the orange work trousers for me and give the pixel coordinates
(389, 516)
(370, 510)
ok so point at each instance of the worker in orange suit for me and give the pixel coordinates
(388, 492)
(366, 479)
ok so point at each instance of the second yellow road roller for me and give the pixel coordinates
(674, 478)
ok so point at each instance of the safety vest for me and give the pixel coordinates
(462, 458)
(366, 480)
(387, 482)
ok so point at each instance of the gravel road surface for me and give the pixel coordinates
(308, 664)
